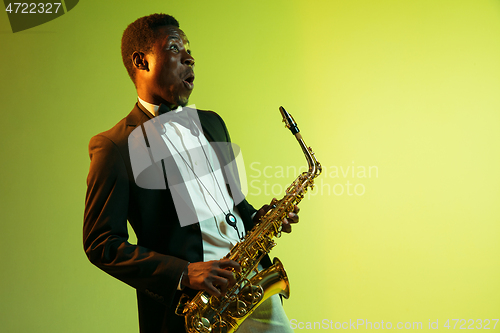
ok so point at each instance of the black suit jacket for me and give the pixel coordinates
(154, 266)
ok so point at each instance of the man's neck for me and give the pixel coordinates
(153, 108)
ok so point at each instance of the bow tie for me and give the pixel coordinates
(180, 117)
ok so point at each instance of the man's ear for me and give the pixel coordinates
(139, 61)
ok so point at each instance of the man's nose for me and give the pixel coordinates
(188, 60)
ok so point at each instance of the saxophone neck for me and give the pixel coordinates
(314, 166)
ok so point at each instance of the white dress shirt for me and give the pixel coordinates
(205, 184)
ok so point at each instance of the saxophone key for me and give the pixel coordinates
(220, 327)
(202, 325)
(237, 309)
(252, 294)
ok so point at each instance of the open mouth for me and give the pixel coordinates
(189, 81)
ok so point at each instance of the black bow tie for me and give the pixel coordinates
(180, 117)
(162, 109)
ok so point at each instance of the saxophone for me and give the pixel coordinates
(206, 313)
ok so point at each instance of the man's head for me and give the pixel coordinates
(158, 59)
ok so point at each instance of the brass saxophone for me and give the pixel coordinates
(206, 313)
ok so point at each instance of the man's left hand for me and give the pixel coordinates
(287, 222)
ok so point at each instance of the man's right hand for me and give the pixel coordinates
(214, 277)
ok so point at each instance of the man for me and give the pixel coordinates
(168, 259)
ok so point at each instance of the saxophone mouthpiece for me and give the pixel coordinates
(289, 122)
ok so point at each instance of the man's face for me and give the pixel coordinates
(171, 68)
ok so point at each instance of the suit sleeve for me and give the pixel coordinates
(105, 235)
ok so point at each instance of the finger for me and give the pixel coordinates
(296, 209)
(221, 283)
(261, 212)
(228, 275)
(225, 263)
(211, 289)
(292, 218)
(286, 228)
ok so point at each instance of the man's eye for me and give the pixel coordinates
(188, 52)
(174, 47)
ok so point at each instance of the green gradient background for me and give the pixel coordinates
(411, 87)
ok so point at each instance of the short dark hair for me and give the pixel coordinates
(140, 36)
